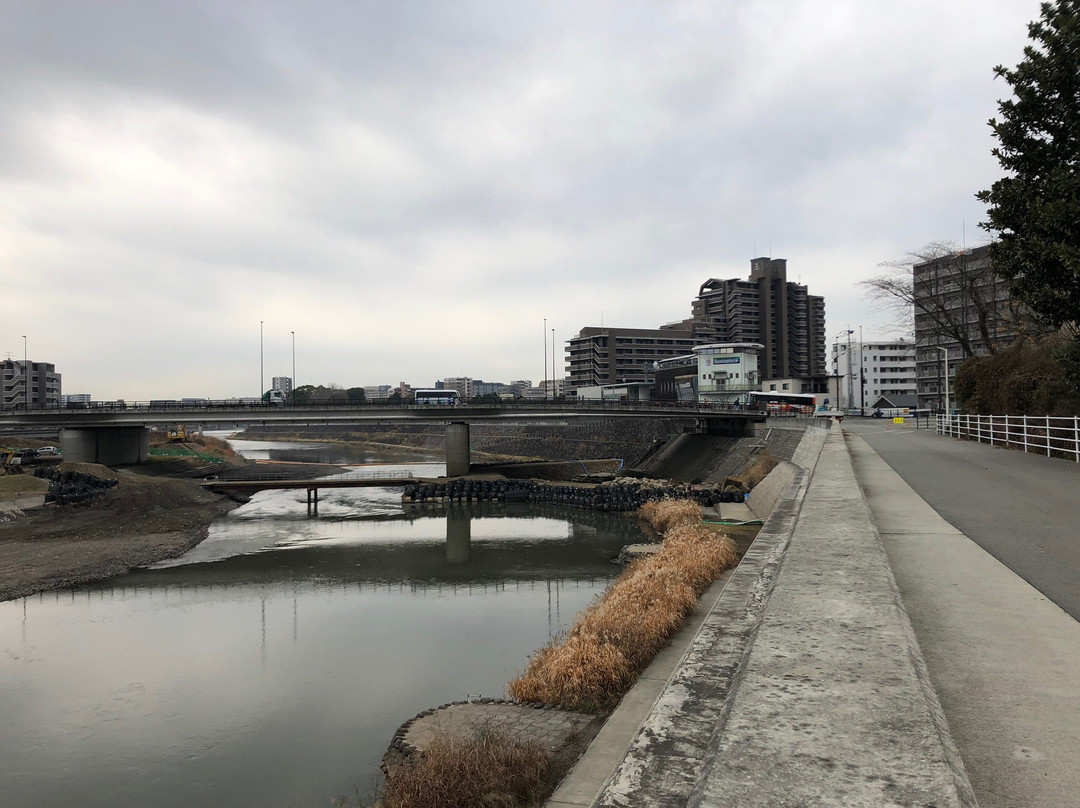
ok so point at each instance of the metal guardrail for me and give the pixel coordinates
(1044, 434)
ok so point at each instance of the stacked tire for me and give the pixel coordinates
(73, 487)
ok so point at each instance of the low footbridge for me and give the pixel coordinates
(115, 433)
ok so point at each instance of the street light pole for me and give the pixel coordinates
(554, 375)
(262, 383)
(292, 383)
(545, 359)
(26, 374)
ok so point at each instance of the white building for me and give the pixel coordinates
(74, 398)
(282, 383)
(375, 392)
(727, 371)
(872, 370)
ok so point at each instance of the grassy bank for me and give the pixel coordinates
(615, 639)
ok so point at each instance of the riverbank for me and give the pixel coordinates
(140, 521)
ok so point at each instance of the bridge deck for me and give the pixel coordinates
(308, 485)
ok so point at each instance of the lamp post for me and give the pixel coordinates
(545, 359)
(554, 375)
(262, 384)
(26, 374)
(292, 383)
(948, 403)
(862, 376)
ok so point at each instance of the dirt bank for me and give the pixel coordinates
(140, 521)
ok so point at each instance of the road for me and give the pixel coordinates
(1023, 509)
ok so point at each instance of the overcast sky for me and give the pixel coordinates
(412, 187)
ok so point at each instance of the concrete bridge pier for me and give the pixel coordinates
(107, 445)
(457, 450)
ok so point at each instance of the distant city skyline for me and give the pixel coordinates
(410, 190)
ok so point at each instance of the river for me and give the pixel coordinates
(270, 665)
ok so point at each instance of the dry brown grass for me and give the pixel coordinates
(667, 513)
(614, 639)
(759, 469)
(489, 771)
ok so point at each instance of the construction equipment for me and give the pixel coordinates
(179, 434)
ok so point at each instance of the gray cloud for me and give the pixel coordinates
(412, 187)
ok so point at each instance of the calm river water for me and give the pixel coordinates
(271, 665)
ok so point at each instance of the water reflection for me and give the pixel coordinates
(271, 665)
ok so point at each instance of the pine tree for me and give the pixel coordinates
(1034, 211)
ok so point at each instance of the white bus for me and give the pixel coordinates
(440, 398)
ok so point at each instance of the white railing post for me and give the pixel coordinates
(1076, 437)
(1048, 436)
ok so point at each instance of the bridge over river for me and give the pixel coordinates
(115, 434)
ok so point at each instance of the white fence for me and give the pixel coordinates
(1054, 437)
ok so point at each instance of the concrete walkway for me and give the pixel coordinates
(805, 685)
(1004, 659)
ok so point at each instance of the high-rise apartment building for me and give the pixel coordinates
(28, 383)
(282, 383)
(767, 309)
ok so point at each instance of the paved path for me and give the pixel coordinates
(1004, 660)
(1023, 509)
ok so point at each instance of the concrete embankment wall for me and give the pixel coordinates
(804, 684)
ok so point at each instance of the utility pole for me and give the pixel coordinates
(850, 372)
(862, 376)
(262, 384)
(292, 383)
(554, 374)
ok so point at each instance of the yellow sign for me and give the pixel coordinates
(898, 420)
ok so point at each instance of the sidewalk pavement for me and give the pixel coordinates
(1004, 659)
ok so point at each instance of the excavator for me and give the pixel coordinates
(178, 435)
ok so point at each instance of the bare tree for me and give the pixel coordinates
(944, 292)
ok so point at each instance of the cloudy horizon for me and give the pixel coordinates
(413, 187)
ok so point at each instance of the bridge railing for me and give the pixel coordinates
(1044, 434)
(210, 405)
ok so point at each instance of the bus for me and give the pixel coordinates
(440, 398)
(786, 403)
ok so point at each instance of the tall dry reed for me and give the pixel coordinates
(613, 640)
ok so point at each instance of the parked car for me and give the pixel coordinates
(48, 450)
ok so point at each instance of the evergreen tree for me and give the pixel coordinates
(1034, 210)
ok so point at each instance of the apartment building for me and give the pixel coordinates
(867, 371)
(961, 309)
(28, 383)
(600, 356)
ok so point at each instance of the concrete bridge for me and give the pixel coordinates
(114, 433)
